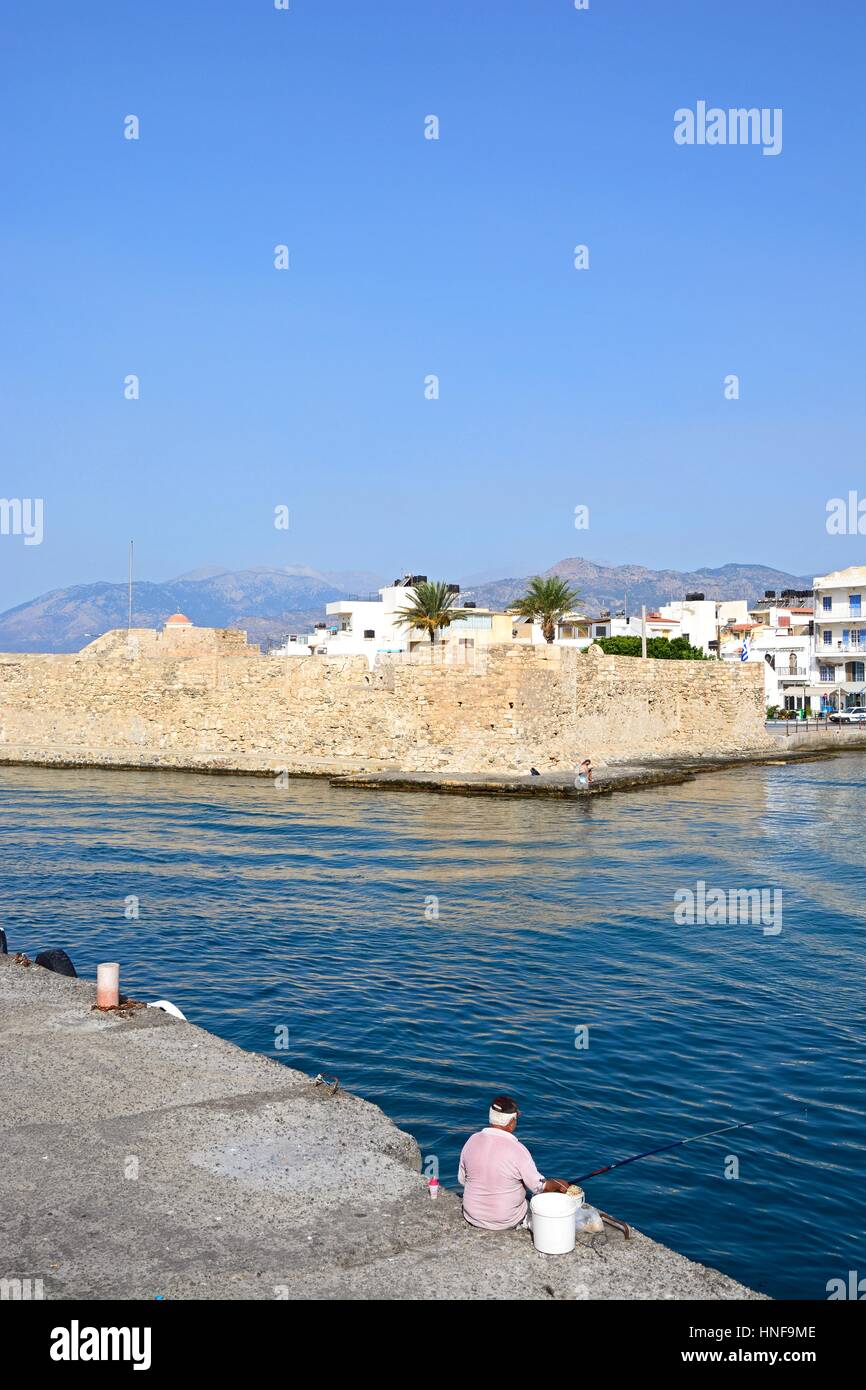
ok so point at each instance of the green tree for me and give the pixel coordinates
(657, 647)
(546, 601)
(431, 608)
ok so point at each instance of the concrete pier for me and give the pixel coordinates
(143, 1158)
(624, 776)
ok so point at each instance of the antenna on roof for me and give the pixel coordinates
(129, 608)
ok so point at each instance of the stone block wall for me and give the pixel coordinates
(227, 708)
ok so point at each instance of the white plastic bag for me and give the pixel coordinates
(587, 1219)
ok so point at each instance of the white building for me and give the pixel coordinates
(701, 619)
(366, 627)
(360, 627)
(572, 630)
(780, 637)
(696, 619)
(839, 650)
(371, 628)
(294, 646)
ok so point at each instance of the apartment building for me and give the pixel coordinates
(371, 627)
(700, 619)
(839, 647)
(777, 633)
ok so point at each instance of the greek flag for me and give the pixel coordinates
(744, 654)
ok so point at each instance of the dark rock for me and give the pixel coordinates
(56, 960)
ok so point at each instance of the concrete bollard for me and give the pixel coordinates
(108, 985)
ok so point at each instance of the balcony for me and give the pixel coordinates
(798, 674)
(839, 612)
(838, 649)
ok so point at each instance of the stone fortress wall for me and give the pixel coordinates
(202, 698)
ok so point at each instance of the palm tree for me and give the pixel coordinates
(431, 608)
(546, 601)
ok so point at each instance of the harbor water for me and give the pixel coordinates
(431, 951)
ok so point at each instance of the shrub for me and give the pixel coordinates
(657, 647)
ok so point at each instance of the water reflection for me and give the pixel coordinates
(552, 915)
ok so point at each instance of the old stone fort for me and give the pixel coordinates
(202, 698)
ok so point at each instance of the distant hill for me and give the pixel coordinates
(269, 602)
(611, 586)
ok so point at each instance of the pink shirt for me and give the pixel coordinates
(495, 1170)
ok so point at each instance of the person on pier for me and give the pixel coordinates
(497, 1171)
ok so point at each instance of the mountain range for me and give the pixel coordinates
(617, 587)
(270, 602)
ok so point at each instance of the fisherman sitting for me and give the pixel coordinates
(496, 1172)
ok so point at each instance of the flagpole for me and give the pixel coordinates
(129, 607)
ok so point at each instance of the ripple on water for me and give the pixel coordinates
(306, 907)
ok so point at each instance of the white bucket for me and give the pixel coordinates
(553, 1222)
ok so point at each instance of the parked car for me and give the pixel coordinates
(849, 716)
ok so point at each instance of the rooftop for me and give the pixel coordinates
(854, 577)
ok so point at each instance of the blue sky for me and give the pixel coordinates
(409, 257)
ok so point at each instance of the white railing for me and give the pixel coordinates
(833, 648)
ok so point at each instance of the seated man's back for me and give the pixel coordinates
(496, 1171)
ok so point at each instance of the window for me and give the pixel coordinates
(828, 637)
(826, 673)
(368, 633)
(854, 601)
(858, 671)
(472, 620)
(827, 603)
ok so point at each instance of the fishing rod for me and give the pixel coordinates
(711, 1134)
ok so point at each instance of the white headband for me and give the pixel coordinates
(500, 1118)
